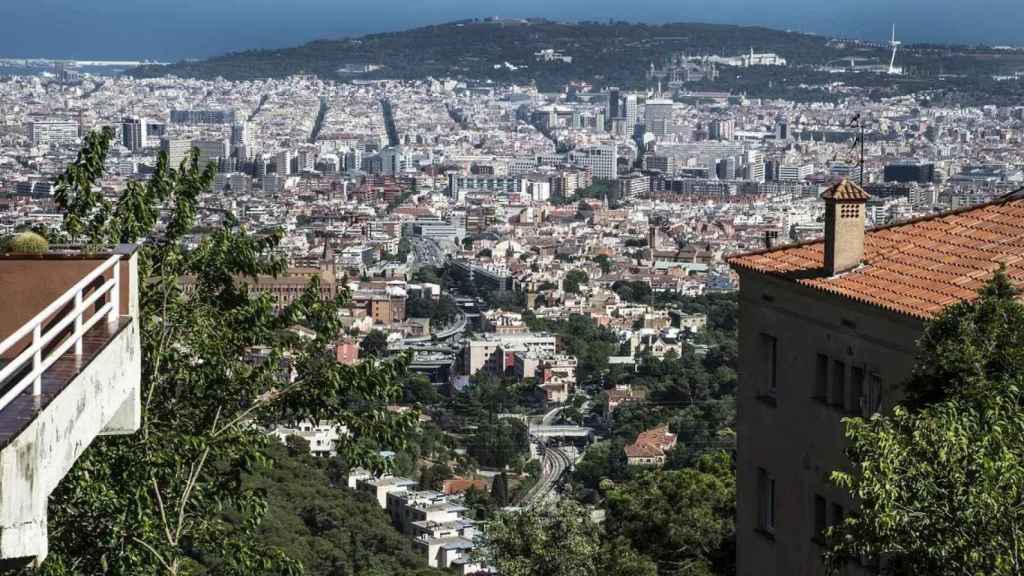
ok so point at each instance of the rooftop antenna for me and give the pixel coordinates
(895, 44)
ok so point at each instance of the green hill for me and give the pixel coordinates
(607, 53)
(620, 54)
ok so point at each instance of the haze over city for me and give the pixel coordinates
(124, 29)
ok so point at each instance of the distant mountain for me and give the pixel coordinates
(503, 50)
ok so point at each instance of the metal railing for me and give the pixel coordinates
(35, 355)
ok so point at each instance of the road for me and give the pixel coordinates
(427, 252)
(457, 328)
(555, 462)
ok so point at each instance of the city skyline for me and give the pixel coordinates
(192, 29)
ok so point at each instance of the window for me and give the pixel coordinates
(837, 514)
(820, 516)
(766, 500)
(838, 384)
(769, 351)
(857, 402)
(821, 378)
(873, 397)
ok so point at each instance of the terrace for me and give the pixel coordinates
(70, 370)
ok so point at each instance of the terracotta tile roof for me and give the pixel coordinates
(845, 190)
(915, 268)
(459, 485)
(651, 443)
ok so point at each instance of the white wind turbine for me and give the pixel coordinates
(895, 44)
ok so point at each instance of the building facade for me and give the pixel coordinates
(828, 330)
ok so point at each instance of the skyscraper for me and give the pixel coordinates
(133, 133)
(755, 165)
(630, 111)
(613, 103)
(658, 118)
(240, 137)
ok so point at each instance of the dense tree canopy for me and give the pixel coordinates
(374, 345)
(682, 519)
(559, 540)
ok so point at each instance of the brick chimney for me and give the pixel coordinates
(844, 226)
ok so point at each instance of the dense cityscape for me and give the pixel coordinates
(591, 305)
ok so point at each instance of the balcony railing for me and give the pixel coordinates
(70, 371)
(52, 323)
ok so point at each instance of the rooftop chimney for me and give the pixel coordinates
(844, 226)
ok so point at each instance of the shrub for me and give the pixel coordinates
(27, 243)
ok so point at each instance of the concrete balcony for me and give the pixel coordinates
(70, 370)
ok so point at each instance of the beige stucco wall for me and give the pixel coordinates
(799, 439)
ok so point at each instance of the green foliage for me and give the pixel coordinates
(501, 444)
(499, 490)
(428, 275)
(216, 361)
(939, 484)
(330, 530)
(419, 390)
(27, 243)
(682, 519)
(404, 248)
(374, 345)
(441, 313)
(573, 280)
(603, 461)
(636, 291)
(481, 505)
(488, 395)
(968, 348)
(604, 262)
(583, 338)
(558, 540)
(432, 477)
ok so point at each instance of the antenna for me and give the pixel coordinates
(894, 44)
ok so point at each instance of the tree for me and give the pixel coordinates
(374, 345)
(148, 503)
(419, 390)
(501, 444)
(633, 291)
(939, 483)
(558, 540)
(297, 445)
(573, 280)
(681, 519)
(604, 262)
(432, 477)
(499, 490)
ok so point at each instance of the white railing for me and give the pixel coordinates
(34, 355)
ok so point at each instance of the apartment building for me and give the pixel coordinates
(495, 353)
(828, 330)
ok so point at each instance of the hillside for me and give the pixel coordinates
(615, 53)
(620, 54)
